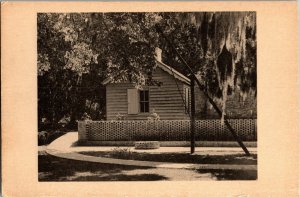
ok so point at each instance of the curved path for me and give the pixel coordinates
(65, 147)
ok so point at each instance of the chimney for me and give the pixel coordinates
(158, 54)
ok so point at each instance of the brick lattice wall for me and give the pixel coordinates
(169, 130)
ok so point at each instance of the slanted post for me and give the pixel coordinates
(192, 116)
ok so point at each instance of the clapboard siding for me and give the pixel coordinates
(166, 100)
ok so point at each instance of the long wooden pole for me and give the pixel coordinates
(192, 116)
(232, 131)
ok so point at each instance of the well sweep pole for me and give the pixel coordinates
(192, 116)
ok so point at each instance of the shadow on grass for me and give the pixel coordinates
(51, 168)
(122, 177)
(232, 174)
(175, 157)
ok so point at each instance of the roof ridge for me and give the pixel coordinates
(164, 67)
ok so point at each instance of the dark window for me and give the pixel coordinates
(144, 101)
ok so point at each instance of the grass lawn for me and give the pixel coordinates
(52, 168)
(176, 157)
(57, 169)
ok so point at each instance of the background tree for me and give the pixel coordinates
(78, 51)
(219, 47)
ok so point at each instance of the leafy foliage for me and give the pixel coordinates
(76, 51)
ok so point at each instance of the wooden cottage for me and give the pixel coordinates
(170, 100)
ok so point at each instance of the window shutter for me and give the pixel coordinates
(132, 97)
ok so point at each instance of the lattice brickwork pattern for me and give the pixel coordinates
(169, 130)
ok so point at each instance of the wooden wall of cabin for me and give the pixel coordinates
(166, 100)
(200, 104)
(236, 106)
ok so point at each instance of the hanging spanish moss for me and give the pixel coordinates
(225, 71)
(228, 41)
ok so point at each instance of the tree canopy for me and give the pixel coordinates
(76, 51)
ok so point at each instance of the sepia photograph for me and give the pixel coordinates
(147, 96)
(157, 99)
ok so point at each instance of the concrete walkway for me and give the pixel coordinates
(65, 147)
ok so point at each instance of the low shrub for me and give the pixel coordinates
(46, 137)
(42, 137)
(121, 152)
(147, 145)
